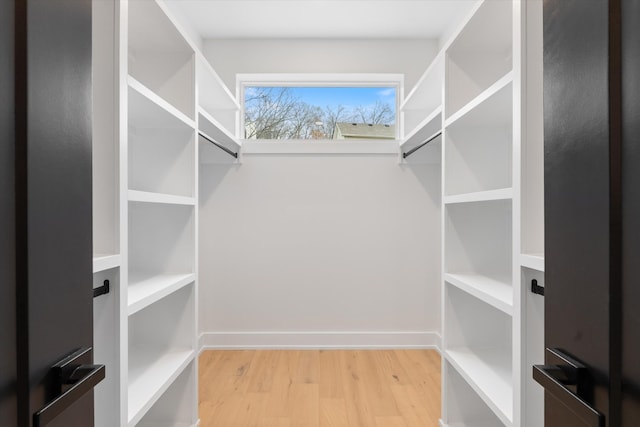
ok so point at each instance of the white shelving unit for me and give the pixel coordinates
(493, 217)
(161, 278)
(152, 88)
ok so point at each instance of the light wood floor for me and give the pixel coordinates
(399, 388)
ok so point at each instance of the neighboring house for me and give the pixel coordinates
(345, 130)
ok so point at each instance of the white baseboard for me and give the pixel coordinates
(319, 340)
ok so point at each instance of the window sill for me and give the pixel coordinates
(320, 147)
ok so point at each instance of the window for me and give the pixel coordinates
(332, 110)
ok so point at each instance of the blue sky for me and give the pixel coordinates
(349, 97)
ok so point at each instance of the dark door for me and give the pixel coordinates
(631, 213)
(8, 400)
(53, 213)
(592, 213)
(577, 211)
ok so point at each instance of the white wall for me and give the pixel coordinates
(410, 57)
(319, 250)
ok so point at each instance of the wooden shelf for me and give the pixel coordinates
(532, 261)
(144, 290)
(103, 262)
(149, 110)
(488, 372)
(485, 109)
(495, 293)
(150, 375)
(480, 196)
(168, 199)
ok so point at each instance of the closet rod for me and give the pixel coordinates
(413, 150)
(220, 146)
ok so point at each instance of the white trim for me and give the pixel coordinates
(319, 79)
(320, 340)
(319, 147)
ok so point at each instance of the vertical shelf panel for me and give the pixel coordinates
(533, 348)
(107, 221)
(106, 348)
(105, 149)
(533, 131)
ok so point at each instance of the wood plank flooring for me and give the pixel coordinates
(323, 388)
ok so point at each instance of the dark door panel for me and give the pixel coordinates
(8, 401)
(54, 173)
(631, 212)
(577, 229)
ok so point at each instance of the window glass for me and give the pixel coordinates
(320, 112)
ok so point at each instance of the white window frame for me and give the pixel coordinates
(328, 146)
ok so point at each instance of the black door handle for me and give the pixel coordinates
(75, 378)
(556, 378)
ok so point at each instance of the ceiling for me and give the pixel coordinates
(321, 19)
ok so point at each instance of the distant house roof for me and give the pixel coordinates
(346, 130)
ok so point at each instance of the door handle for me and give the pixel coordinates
(75, 376)
(568, 372)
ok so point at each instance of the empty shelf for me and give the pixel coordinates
(150, 375)
(425, 129)
(480, 196)
(488, 372)
(146, 289)
(494, 292)
(103, 262)
(532, 261)
(169, 199)
(484, 109)
(149, 110)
